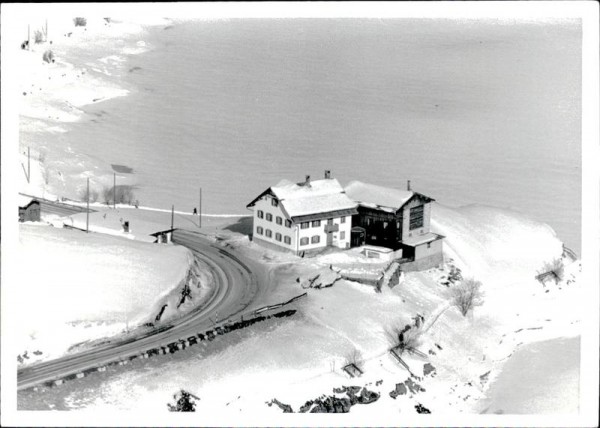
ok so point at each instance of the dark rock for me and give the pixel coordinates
(413, 386)
(285, 407)
(400, 390)
(367, 397)
(421, 409)
(428, 368)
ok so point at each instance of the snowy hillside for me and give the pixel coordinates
(300, 359)
(75, 287)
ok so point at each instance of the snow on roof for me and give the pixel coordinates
(23, 200)
(319, 196)
(370, 195)
(413, 241)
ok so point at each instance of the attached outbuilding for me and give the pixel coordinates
(396, 219)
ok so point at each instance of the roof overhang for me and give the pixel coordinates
(325, 215)
(422, 239)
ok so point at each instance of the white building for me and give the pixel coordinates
(303, 217)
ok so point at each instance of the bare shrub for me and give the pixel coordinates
(83, 195)
(38, 36)
(80, 22)
(107, 195)
(355, 357)
(122, 194)
(125, 194)
(466, 295)
(556, 267)
(48, 56)
(404, 338)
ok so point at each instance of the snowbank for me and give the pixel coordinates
(77, 287)
(486, 242)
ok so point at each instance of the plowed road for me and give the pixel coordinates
(239, 284)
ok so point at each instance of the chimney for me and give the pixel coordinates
(327, 174)
(307, 181)
(408, 185)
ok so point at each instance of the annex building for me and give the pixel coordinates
(396, 219)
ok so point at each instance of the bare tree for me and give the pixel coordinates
(556, 267)
(355, 357)
(405, 338)
(107, 195)
(466, 295)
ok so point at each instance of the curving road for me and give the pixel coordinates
(239, 284)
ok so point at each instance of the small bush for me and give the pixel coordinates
(555, 266)
(48, 56)
(83, 196)
(466, 295)
(38, 36)
(184, 402)
(80, 22)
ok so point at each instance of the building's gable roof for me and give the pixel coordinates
(379, 197)
(318, 197)
(26, 201)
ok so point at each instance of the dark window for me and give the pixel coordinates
(278, 237)
(315, 239)
(279, 220)
(304, 225)
(330, 221)
(274, 202)
(260, 214)
(269, 217)
(316, 223)
(429, 245)
(416, 217)
(343, 220)
(268, 233)
(342, 235)
(259, 230)
(287, 240)
(304, 241)
(288, 223)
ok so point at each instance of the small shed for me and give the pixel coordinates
(29, 209)
(163, 236)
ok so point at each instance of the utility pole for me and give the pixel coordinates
(87, 217)
(28, 38)
(200, 210)
(114, 190)
(172, 215)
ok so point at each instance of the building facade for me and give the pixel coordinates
(303, 217)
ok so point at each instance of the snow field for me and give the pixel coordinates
(77, 287)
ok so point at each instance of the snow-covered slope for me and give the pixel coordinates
(73, 287)
(485, 241)
(300, 358)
